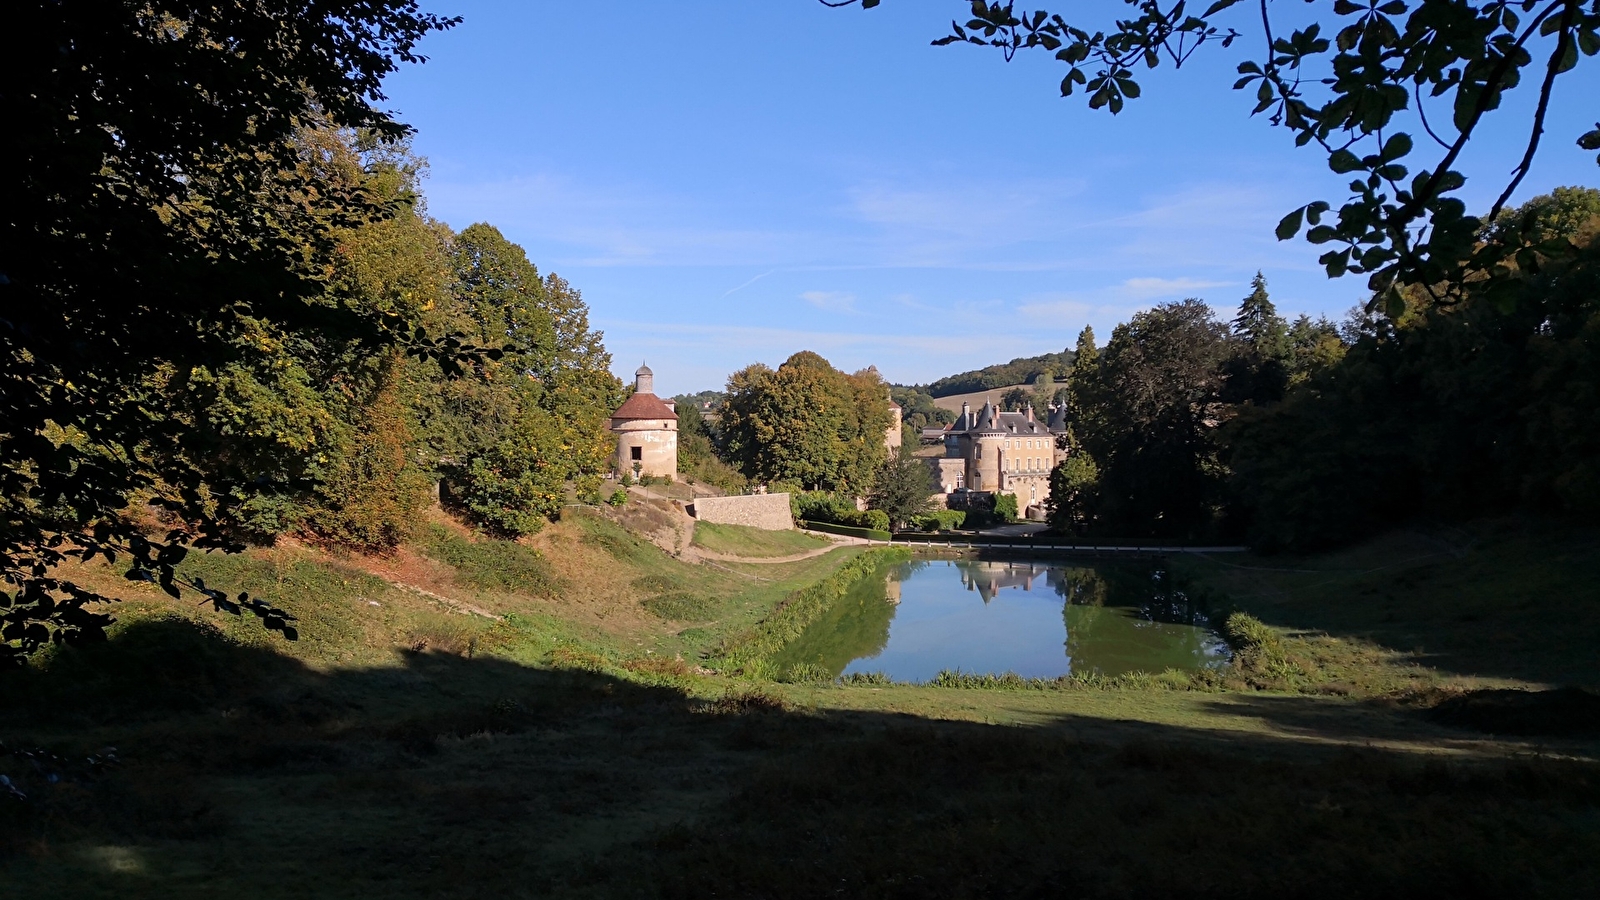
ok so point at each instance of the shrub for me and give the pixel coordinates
(1257, 648)
(619, 497)
(942, 520)
(838, 509)
(807, 673)
(1005, 507)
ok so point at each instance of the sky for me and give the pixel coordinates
(733, 181)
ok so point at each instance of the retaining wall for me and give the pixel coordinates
(765, 511)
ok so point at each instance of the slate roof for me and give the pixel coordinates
(991, 420)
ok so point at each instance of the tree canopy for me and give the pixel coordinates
(807, 424)
(1356, 82)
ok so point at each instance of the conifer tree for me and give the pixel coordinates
(1259, 324)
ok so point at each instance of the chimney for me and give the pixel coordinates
(966, 415)
(1030, 412)
(671, 404)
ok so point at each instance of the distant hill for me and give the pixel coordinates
(1005, 375)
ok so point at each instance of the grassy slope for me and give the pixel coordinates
(1500, 601)
(556, 755)
(736, 540)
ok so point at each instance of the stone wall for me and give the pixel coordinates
(765, 511)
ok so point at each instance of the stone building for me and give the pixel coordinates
(646, 427)
(994, 452)
(893, 437)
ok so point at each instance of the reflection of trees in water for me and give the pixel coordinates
(1103, 636)
(855, 626)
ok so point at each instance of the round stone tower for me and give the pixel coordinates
(647, 431)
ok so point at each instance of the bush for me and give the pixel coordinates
(838, 509)
(941, 520)
(1257, 648)
(619, 497)
(807, 673)
(1005, 507)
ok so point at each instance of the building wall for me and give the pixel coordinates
(657, 443)
(895, 435)
(945, 471)
(765, 511)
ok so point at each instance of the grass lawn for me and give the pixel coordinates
(554, 743)
(737, 540)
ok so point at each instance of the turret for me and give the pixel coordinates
(644, 380)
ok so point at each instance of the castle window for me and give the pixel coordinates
(637, 453)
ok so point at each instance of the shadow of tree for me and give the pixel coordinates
(247, 772)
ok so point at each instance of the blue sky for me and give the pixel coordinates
(731, 181)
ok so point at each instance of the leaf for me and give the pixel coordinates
(1289, 225)
(1342, 161)
(1396, 146)
(1217, 7)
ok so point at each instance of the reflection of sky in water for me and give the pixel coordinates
(1008, 617)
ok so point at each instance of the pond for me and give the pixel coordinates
(1036, 619)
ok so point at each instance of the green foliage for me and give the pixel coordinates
(918, 411)
(619, 497)
(1398, 226)
(1018, 371)
(1147, 416)
(806, 673)
(188, 233)
(1016, 399)
(796, 613)
(490, 564)
(806, 422)
(1005, 507)
(512, 441)
(902, 490)
(1257, 648)
(1258, 371)
(1074, 492)
(373, 488)
(838, 509)
(942, 520)
(1453, 411)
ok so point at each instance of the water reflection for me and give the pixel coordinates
(1037, 619)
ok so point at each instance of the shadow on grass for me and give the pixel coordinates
(245, 772)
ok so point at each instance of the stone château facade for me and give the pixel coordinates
(646, 427)
(994, 452)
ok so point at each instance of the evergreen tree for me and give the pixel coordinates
(1085, 355)
(1258, 323)
(1258, 370)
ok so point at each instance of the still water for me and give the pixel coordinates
(1037, 619)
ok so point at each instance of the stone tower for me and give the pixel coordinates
(647, 431)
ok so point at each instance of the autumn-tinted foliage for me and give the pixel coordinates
(161, 204)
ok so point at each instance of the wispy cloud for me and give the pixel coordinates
(831, 301)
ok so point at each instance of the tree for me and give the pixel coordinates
(1475, 408)
(806, 423)
(1149, 415)
(902, 489)
(1016, 399)
(511, 442)
(1074, 489)
(1259, 369)
(1323, 83)
(162, 206)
